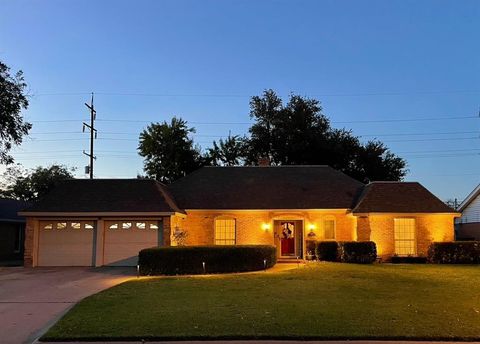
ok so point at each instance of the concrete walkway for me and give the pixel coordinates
(33, 299)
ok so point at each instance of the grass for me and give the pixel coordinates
(322, 301)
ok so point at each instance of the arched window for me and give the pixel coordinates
(225, 231)
(329, 228)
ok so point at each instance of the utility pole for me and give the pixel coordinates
(93, 135)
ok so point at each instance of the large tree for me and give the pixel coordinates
(229, 152)
(13, 99)
(30, 185)
(298, 133)
(168, 151)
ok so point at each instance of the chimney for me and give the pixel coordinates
(263, 161)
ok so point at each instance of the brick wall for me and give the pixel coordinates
(200, 225)
(429, 228)
(31, 232)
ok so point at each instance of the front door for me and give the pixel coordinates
(287, 239)
(289, 235)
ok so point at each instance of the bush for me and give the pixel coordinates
(408, 260)
(327, 251)
(360, 252)
(456, 252)
(217, 259)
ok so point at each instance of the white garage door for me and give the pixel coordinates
(125, 238)
(65, 243)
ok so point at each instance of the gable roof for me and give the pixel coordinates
(399, 197)
(471, 196)
(9, 209)
(266, 187)
(107, 195)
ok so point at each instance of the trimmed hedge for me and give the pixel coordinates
(327, 251)
(218, 259)
(359, 252)
(408, 260)
(455, 252)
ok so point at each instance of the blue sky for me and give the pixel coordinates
(201, 60)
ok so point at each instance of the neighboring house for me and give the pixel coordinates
(12, 232)
(107, 222)
(468, 225)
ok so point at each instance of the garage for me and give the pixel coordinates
(125, 238)
(98, 222)
(66, 243)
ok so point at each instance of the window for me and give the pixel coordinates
(329, 228)
(113, 226)
(126, 225)
(225, 232)
(153, 225)
(140, 225)
(61, 225)
(405, 237)
(76, 225)
(88, 225)
(48, 226)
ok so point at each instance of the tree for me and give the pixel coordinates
(298, 133)
(30, 185)
(12, 100)
(168, 151)
(229, 152)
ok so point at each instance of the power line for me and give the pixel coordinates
(224, 136)
(239, 95)
(208, 142)
(425, 119)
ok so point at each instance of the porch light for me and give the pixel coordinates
(311, 227)
(265, 226)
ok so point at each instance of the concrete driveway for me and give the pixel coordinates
(33, 299)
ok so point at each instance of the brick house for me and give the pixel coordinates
(107, 221)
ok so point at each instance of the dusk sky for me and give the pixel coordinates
(405, 72)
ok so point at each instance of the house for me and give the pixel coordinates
(108, 221)
(12, 232)
(468, 225)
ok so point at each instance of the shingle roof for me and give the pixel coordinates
(399, 197)
(9, 209)
(279, 187)
(107, 195)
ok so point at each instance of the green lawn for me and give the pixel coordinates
(313, 302)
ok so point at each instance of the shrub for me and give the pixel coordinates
(408, 260)
(327, 251)
(217, 259)
(456, 252)
(360, 252)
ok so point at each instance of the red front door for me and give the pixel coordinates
(287, 238)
